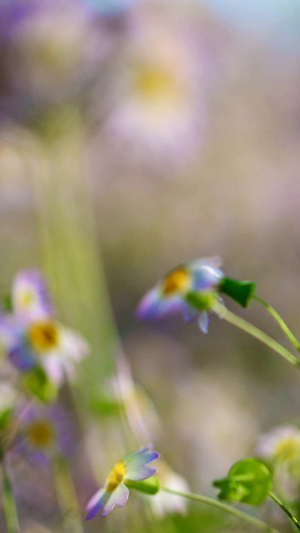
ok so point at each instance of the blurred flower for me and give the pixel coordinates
(30, 297)
(53, 48)
(133, 467)
(140, 411)
(170, 295)
(33, 337)
(43, 432)
(282, 443)
(162, 110)
(163, 503)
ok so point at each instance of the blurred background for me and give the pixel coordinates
(134, 136)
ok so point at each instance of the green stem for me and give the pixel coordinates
(66, 496)
(285, 510)
(255, 332)
(9, 506)
(279, 320)
(224, 507)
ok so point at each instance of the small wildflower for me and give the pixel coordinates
(163, 503)
(133, 467)
(30, 296)
(31, 335)
(43, 432)
(282, 443)
(174, 293)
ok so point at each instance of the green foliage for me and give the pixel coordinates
(240, 291)
(37, 383)
(148, 486)
(248, 481)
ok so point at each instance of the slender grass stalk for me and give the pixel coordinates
(9, 506)
(255, 332)
(279, 320)
(224, 507)
(66, 496)
(285, 510)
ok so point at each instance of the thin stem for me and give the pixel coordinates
(255, 332)
(224, 507)
(279, 320)
(285, 510)
(9, 506)
(66, 496)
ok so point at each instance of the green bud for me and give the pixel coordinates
(248, 481)
(240, 291)
(37, 383)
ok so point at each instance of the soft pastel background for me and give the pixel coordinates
(135, 136)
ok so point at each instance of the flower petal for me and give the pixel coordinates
(22, 357)
(136, 464)
(117, 498)
(97, 503)
(153, 306)
(203, 321)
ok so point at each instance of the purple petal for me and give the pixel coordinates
(22, 357)
(153, 306)
(136, 464)
(117, 498)
(97, 503)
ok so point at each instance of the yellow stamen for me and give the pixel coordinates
(41, 434)
(116, 476)
(156, 83)
(43, 336)
(26, 299)
(177, 281)
(288, 449)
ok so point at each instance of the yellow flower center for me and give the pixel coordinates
(154, 83)
(26, 299)
(116, 476)
(41, 434)
(177, 281)
(43, 336)
(287, 449)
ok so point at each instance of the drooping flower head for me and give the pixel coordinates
(133, 467)
(174, 292)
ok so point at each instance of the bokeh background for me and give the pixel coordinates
(135, 136)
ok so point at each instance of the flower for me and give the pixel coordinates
(200, 278)
(162, 111)
(164, 503)
(43, 432)
(30, 296)
(282, 443)
(133, 467)
(33, 337)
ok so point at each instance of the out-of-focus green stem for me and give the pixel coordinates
(9, 506)
(285, 510)
(254, 332)
(66, 496)
(224, 507)
(279, 320)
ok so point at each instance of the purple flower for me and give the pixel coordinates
(133, 467)
(169, 296)
(31, 335)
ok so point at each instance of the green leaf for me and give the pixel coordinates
(37, 383)
(6, 417)
(148, 486)
(240, 291)
(248, 481)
